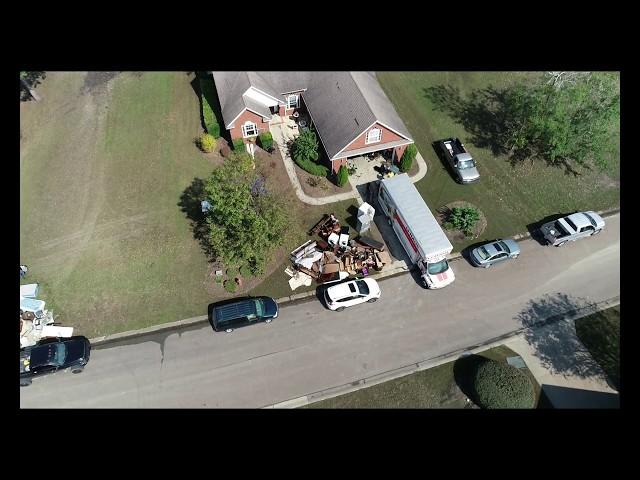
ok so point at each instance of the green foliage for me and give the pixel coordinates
(230, 286)
(499, 385)
(208, 95)
(243, 229)
(463, 218)
(343, 176)
(266, 140)
(33, 78)
(206, 142)
(407, 158)
(245, 271)
(304, 151)
(218, 279)
(231, 272)
(567, 125)
(238, 145)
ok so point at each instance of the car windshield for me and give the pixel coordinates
(483, 253)
(363, 287)
(463, 164)
(435, 268)
(558, 226)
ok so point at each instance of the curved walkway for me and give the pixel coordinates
(281, 136)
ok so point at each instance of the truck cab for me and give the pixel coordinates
(436, 275)
(461, 161)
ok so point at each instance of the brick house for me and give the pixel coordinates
(349, 110)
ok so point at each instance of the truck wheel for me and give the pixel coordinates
(268, 320)
(372, 300)
(77, 370)
(561, 243)
(339, 309)
(596, 232)
(25, 382)
(229, 330)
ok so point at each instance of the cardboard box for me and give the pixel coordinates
(331, 268)
(384, 257)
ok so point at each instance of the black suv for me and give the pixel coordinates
(240, 312)
(53, 354)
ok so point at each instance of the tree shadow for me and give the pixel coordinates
(534, 227)
(30, 80)
(211, 95)
(557, 345)
(190, 204)
(464, 372)
(488, 115)
(446, 165)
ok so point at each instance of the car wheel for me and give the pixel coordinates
(25, 383)
(372, 300)
(77, 370)
(268, 320)
(339, 309)
(516, 256)
(561, 243)
(488, 265)
(229, 330)
(596, 232)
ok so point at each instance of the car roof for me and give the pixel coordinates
(580, 220)
(342, 290)
(230, 311)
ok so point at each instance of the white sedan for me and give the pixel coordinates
(346, 294)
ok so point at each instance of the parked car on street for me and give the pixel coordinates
(240, 312)
(494, 252)
(346, 294)
(571, 228)
(51, 355)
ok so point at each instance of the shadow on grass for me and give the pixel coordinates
(190, 204)
(446, 165)
(488, 114)
(534, 228)
(557, 345)
(464, 371)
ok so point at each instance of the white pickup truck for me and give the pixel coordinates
(571, 228)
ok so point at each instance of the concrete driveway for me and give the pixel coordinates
(308, 348)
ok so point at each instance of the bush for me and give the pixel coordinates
(214, 129)
(238, 145)
(343, 176)
(266, 141)
(463, 218)
(231, 272)
(499, 385)
(245, 271)
(207, 90)
(407, 158)
(313, 168)
(230, 286)
(206, 142)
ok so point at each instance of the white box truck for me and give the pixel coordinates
(417, 229)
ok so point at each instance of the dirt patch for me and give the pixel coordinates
(319, 187)
(458, 235)
(96, 82)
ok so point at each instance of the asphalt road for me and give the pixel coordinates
(309, 348)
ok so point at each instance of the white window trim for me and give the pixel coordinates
(378, 140)
(289, 97)
(249, 123)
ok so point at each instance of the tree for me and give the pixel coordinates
(343, 176)
(408, 157)
(245, 224)
(499, 385)
(305, 147)
(463, 218)
(565, 121)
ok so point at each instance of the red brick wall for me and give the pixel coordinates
(387, 136)
(236, 132)
(337, 163)
(399, 152)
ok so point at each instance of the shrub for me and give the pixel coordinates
(214, 129)
(499, 385)
(207, 90)
(206, 142)
(408, 157)
(231, 272)
(313, 168)
(463, 218)
(238, 145)
(245, 271)
(343, 176)
(230, 286)
(266, 141)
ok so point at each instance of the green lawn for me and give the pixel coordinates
(510, 197)
(101, 176)
(600, 334)
(432, 388)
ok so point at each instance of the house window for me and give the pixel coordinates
(374, 135)
(292, 101)
(249, 129)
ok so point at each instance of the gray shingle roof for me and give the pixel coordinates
(342, 104)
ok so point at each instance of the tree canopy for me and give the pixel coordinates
(245, 223)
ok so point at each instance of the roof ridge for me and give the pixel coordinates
(363, 96)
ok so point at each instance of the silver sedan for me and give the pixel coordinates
(494, 252)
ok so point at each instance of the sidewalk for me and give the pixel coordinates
(281, 136)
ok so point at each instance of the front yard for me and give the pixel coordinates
(510, 197)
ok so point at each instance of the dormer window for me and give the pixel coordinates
(293, 101)
(374, 135)
(249, 129)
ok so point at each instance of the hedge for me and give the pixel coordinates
(313, 168)
(499, 385)
(408, 157)
(266, 140)
(208, 94)
(343, 176)
(238, 144)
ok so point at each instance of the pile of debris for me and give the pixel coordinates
(36, 322)
(334, 256)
